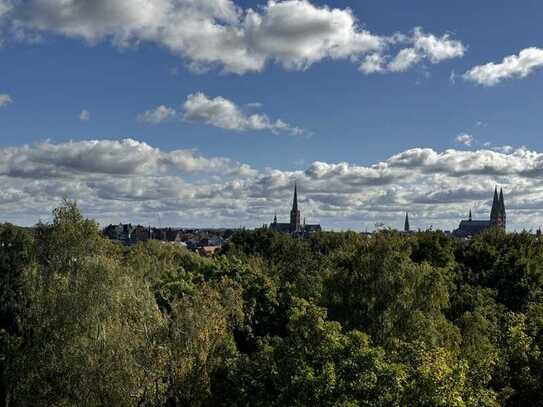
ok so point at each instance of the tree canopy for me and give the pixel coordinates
(336, 319)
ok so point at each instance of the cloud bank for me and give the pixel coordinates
(131, 181)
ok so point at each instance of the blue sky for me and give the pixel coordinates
(58, 60)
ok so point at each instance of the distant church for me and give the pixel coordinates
(295, 227)
(498, 219)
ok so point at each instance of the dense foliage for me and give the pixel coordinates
(338, 319)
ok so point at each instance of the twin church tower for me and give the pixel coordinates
(498, 219)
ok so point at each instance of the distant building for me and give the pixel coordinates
(295, 227)
(498, 219)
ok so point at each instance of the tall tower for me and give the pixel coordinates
(406, 227)
(295, 213)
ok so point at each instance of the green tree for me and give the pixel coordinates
(90, 338)
(315, 364)
(16, 254)
(70, 238)
(199, 342)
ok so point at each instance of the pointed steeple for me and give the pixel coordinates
(495, 211)
(406, 227)
(470, 218)
(295, 213)
(295, 200)
(275, 217)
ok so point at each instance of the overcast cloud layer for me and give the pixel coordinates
(208, 33)
(131, 181)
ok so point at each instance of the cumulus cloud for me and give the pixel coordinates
(465, 139)
(132, 181)
(437, 49)
(158, 114)
(126, 157)
(207, 33)
(513, 66)
(5, 100)
(456, 163)
(225, 114)
(84, 116)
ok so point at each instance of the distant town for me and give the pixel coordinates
(207, 241)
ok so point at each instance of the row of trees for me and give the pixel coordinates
(338, 319)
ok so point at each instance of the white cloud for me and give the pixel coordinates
(373, 63)
(465, 139)
(457, 163)
(405, 59)
(158, 114)
(298, 33)
(225, 114)
(207, 33)
(437, 49)
(111, 157)
(5, 100)
(422, 46)
(513, 66)
(84, 116)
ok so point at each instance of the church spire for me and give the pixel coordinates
(295, 200)
(470, 218)
(295, 213)
(495, 211)
(406, 227)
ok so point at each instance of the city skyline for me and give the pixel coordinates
(375, 109)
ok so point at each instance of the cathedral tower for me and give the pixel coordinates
(497, 214)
